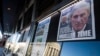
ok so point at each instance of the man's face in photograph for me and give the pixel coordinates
(79, 18)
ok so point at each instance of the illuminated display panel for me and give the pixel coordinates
(77, 22)
(40, 37)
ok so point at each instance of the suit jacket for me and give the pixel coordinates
(87, 32)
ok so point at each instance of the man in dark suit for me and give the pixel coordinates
(80, 18)
(63, 22)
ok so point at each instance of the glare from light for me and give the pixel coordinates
(0, 35)
(8, 8)
(15, 37)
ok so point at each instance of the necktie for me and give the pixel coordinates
(76, 34)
